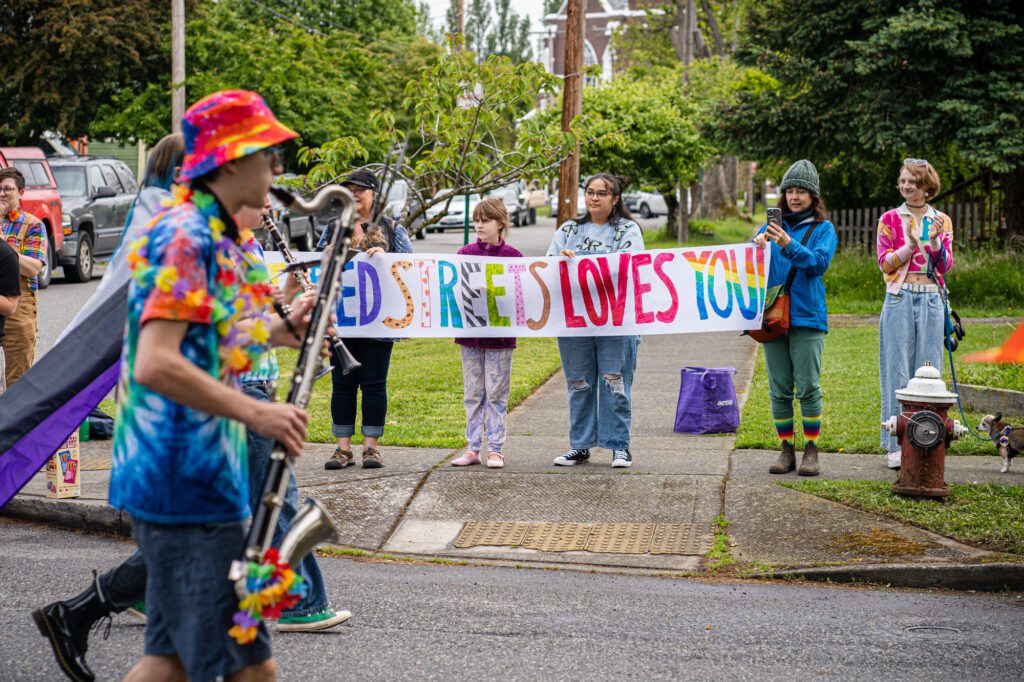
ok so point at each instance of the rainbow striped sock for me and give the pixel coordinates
(812, 428)
(784, 427)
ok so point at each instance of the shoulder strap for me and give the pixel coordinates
(792, 270)
(23, 232)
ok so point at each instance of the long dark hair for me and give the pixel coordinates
(817, 203)
(616, 185)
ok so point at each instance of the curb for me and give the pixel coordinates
(994, 577)
(82, 514)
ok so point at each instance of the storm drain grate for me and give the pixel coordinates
(601, 538)
(499, 533)
(558, 537)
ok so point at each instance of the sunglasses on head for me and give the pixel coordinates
(915, 162)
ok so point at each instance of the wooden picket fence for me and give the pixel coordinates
(975, 207)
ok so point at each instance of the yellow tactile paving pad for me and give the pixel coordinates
(557, 537)
(601, 538)
(500, 533)
(621, 538)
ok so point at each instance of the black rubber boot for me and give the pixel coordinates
(786, 461)
(66, 624)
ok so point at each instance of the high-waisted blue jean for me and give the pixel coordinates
(599, 376)
(910, 333)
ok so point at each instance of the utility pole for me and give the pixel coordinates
(177, 64)
(462, 17)
(572, 106)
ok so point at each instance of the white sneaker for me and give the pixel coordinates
(892, 460)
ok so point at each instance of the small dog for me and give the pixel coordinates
(1009, 441)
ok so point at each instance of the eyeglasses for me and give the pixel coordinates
(356, 190)
(8, 190)
(602, 193)
(915, 162)
(276, 155)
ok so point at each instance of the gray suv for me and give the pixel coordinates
(97, 193)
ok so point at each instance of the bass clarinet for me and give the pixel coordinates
(345, 358)
(263, 576)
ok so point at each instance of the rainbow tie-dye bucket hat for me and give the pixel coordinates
(225, 126)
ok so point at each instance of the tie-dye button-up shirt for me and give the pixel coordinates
(34, 245)
(173, 464)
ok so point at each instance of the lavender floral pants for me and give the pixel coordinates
(486, 377)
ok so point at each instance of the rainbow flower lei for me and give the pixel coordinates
(233, 300)
(272, 587)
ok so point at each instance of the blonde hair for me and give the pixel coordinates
(493, 208)
(926, 178)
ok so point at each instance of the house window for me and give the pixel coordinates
(590, 59)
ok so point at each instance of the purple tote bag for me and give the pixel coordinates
(707, 401)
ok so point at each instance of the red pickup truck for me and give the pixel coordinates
(41, 197)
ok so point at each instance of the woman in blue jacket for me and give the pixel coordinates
(793, 361)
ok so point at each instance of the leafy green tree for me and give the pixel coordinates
(552, 6)
(863, 83)
(493, 29)
(323, 86)
(468, 132)
(643, 129)
(63, 60)
(369, 18)
(511, 35)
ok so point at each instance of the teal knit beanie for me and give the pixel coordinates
(801, 174)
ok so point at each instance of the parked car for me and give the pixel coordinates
(510, 195)
(650, 204)
(454, 215)
(97, 192)
(42, 199)
(581, 203)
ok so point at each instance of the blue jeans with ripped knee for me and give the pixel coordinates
(599, 376)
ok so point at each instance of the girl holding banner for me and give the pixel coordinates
(806, 241)
(487, 363)
(599, 369)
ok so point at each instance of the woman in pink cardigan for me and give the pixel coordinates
(915, 251)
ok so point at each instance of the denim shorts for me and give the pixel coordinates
(190, 601)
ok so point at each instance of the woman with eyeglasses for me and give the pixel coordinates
(915, 251)
(599, 369)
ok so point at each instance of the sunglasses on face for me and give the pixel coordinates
(915, 162)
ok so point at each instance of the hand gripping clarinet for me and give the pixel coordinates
(264, 579)
(340, 352)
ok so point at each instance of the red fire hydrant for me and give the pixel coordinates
(924, 432)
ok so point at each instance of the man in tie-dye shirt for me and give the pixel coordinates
(197, 321)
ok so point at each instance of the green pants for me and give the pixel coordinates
(794, 370)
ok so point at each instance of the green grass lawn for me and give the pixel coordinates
(705, 233)
(849, 381)
(425, 391)
(985, 514)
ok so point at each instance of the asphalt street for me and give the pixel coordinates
(429, 621)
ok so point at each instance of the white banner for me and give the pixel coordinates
(668, 291)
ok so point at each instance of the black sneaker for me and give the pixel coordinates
(621, 458)
(573, 457)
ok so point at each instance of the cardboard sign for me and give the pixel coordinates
(62, 471)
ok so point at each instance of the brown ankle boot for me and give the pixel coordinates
(809, 463)
(786, 461)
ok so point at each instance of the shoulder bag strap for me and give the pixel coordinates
(792, 270)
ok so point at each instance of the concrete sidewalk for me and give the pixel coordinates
(417, 505)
